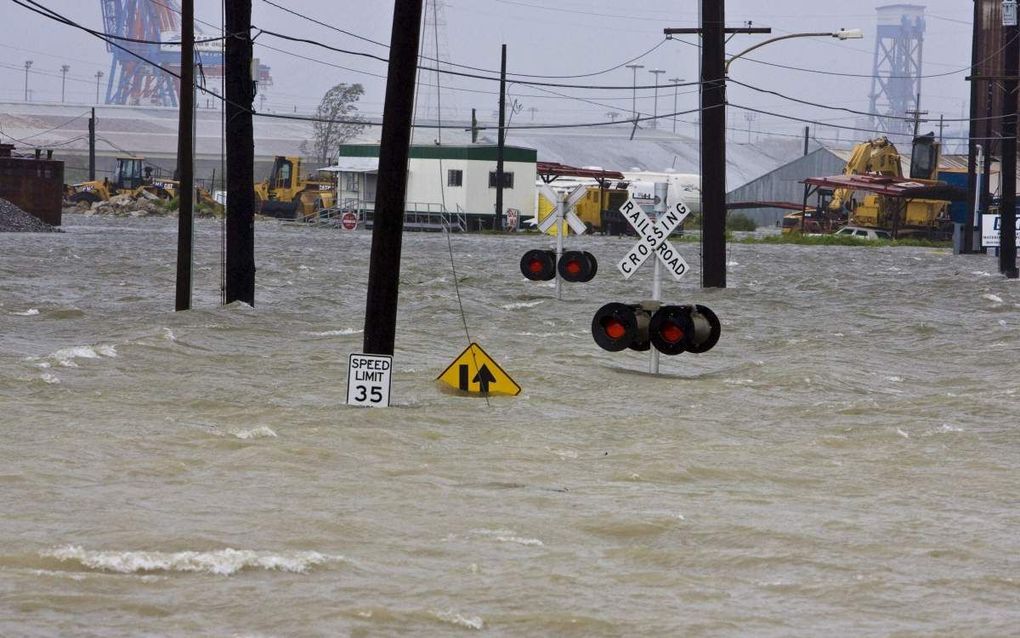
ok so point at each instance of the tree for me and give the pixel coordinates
(336, 120)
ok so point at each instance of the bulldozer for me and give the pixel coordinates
(131, 177)
(288, 195)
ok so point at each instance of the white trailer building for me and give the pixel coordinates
(456, 181)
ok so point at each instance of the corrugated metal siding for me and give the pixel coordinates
(783, 184)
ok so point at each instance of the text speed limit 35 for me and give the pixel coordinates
(368, 380)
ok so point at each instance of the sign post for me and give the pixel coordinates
(653, 235)
(563, 211)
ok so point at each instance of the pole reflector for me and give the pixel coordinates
(539, 265)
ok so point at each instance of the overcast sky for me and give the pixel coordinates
(562, 38)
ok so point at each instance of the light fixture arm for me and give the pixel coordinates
(842, 34)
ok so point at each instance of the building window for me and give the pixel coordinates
(454, 177)
(351, 182)
(508, 179)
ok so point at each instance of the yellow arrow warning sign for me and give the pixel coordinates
(475, 371)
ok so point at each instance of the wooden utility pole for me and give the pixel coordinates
(240, 95)
(713, 132)
(500, 141)
(185, 158)
(92, 146)
(972, 168)
(1007, 205)
(713, 137)
(388, 220)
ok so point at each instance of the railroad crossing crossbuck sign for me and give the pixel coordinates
(653, 239)
(563, 209)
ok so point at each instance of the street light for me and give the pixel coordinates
(28, 65)
(655, 99)
(676, 82)
(633, 100)
(842, 34)
(99, 76)
(63, 79)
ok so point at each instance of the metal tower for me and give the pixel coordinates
(896, 78)
(134, 81)
(435, 55)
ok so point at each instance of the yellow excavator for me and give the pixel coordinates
(880, 157)
(288, 195)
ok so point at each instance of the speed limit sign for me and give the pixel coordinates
(368, 380)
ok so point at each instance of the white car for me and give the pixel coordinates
(857, 232)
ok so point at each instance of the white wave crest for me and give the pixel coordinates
(336, 333)
(222, 562)
(452, 617)
(522, 304)
(260, 432)
(31, 312)
(66, 356)
(533, 542)
(992, 298)
(49, 378)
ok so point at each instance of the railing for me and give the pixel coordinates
(418, 216)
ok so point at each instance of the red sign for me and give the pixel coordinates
(349, 220)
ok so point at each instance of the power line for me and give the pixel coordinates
(465, 66)
(965, 69)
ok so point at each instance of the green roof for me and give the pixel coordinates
(469, 152)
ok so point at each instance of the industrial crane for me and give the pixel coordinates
(135, 81)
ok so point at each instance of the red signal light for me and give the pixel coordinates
(617, 326)
(577, 266)
(676, 329)
(539, 265)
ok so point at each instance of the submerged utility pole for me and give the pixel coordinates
(500, 141)
(92, 146)
(713, 137)
(713, 132)
(973, 183)
(1007, 206)
(185, 158)
(240, 94)
(388, 222)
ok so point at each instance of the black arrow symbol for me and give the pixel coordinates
(483, 379)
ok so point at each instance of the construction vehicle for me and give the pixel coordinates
(879, 158)
(131, 177)
(288, 195)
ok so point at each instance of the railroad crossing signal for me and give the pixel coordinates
(573, 265)
(670, 329)
(475, 372)
(653, 239)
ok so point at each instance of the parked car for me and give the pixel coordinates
(858, 232)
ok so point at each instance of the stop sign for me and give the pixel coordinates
(349, 220)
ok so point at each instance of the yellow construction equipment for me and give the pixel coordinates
(880, 157)
(131, 177)
(288, 195)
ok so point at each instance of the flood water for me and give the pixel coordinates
(843, 463)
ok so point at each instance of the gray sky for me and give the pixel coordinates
(565, 38)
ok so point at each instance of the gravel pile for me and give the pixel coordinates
(15, 220)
